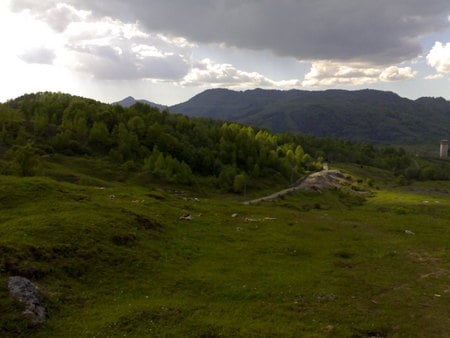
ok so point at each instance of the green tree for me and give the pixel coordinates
(226, 177)
(239, 183)
(99, 137)
(137, 125)
(25, 160)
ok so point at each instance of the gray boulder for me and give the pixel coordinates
(25, 291)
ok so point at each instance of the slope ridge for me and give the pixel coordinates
(362, 115)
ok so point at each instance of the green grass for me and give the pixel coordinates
(115, 259)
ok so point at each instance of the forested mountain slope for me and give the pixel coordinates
(143, 141)
(363, 115)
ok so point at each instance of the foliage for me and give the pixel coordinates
(368, 116)
(177, 148)
(143, 139)
(24, 160)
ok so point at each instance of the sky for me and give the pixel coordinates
(166, 51)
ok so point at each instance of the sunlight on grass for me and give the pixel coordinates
(117, 259)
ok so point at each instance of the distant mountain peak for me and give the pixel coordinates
(130, 100)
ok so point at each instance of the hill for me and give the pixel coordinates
(114, 258)
(129, 101)
(131, 222)
(363, 115)
(151, 144)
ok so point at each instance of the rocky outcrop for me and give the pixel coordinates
(25, 291)
(322, 180)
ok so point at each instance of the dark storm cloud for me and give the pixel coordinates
(382, 32)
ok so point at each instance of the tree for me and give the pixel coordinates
(226, 177)
(25, 160)
(99, 136)
(137, 125)
(11, 120)
(239, 183)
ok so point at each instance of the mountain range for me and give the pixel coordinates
(364, 115)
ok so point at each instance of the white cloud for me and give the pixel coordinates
(103, 31)
(41, 55)
(176, 41)
(124, 60)
(108, 48)
(434, 77)
(394, 73)
(62, 15)
(206, 72)
(439, 57)
(330, 73)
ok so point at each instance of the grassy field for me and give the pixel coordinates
(115, 259)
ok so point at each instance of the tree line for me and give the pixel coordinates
(172, 147)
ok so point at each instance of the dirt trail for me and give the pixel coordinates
(322, 180)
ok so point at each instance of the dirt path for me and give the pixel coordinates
(274, 196)
(322, 180)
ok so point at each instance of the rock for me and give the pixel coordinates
(322, 180)
(319, 181)
(186, 217)
(328, 329)
(25, 291)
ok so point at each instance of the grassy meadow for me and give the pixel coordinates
(113, 258)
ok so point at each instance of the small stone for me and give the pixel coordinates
(409, 232)
(25, 291)
(328, 329)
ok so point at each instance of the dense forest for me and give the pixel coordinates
(176, 148)
(372, 116)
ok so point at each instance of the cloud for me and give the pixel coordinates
(108, 48)
(330, 73)
(206, 72)
(62, 15)
(434, 77)
(347, 42)
(115, 63)
(394, 73)
(58, 15)
(383, 32)
(439, 57)
(40, 55)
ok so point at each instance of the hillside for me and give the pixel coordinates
(133, 222)
(153, 144)
(363, 115)
(113, 258)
